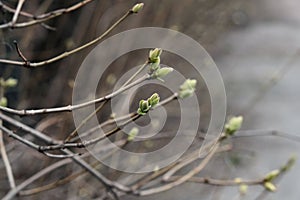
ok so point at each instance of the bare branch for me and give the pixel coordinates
(70, 108)
(183, 179)
(26, 62)
(16, 15)
(68, 53)
(7, 163)
(37, 19)
(31, 144)
(106, 182)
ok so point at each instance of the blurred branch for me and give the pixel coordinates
(183, 179)
(36, 19)
(67, 53)
(16, 14)
(74, 132)
(31, 144)
(12, 10)
(106, 182)
(275, 77)
(70, 108)
(261, 133)
(6, 163)
(4, 156)
(73, 176)
(61, 163)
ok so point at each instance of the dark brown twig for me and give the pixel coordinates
(26, 62)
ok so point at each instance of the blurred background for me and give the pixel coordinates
(255, 45)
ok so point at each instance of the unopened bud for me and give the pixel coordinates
(137, 7)
(154, 55)
(233, 125)
(154, 100)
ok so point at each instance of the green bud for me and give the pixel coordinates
(187, 89)
(237, 180)
(233, 125)
(11, 82)
(137, 7)
(155, 65)
(270, 186)
(243, 189)
(154, 55)
(143, 108)
(272, 175)
(159, 73)
(3, 102)
(189, 84)
(144, 105)
(132, 134)
(289, 164)
(154, 100)
(156, 168)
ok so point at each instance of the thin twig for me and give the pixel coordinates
(16, 14)
(4, 156)
(74, 132)
(183, 179)
(106, 182)
(136, 73)
(40, 18)
(70, 108)
(86, 143)
(68, 53)
(5, 159)
(193, 157)
(275, 77)
(262, 133)
(26, 62)
(219, 182)
(59, 164)
(102, 125)
(31, 144)
(12, 10)
(72, 176)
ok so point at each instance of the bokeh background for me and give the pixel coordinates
(254, 43)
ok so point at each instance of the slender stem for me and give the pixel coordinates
(108, 122)
(219, 182)
(74, 132)
(5, 159)
(12, 10)
(18, 9)
(183, 179)
(59, 164)
(270, 82)
(106, 182)
(70, 108)
(70, 177)
(135, 74)
(40, 18)
(31, 144)
(12, 193)
(88, 142)
(4, 156)
(67, 53)
(193, 157)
